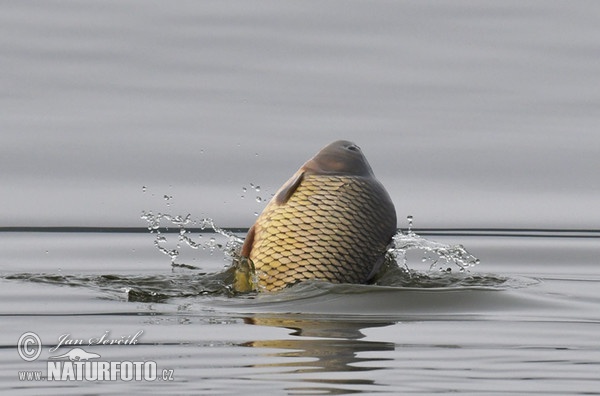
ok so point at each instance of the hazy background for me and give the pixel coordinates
(471, 113)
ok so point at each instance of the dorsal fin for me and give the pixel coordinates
(288, 189)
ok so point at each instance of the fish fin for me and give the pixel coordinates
(243, 266)
(244, 275)
(248, 242)
(288, 189)
(378, 267)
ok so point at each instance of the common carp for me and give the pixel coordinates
(332, 220)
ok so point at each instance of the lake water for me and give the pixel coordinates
(525, 321)
(480, 118)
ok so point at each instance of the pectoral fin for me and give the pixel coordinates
(288, 189)
(244, 276)
(248, 242)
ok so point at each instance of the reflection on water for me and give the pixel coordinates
(331, 346)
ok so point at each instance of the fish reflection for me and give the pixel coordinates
(333, 346)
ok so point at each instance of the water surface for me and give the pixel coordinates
(472, 114)
(525, 321)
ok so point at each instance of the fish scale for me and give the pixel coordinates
(334, 228)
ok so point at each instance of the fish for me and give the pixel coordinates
(331, 221)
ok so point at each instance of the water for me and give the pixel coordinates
(480, 118)
(468, 112)
(524, 321)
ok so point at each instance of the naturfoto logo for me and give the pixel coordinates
(79, 364)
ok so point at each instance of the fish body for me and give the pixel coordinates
(331, 221)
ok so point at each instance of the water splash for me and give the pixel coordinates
(230, 248)
(189, 283)
(441, 256)
(259, 198)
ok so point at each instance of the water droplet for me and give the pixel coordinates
(257, 188)
(143, 188)
(244, 189)
(255, 213)
(258, 199)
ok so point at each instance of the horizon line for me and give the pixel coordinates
(441, 231)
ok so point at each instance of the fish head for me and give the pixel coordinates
(339, 158)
